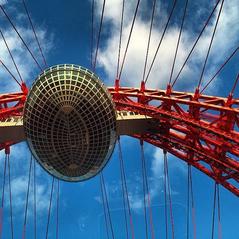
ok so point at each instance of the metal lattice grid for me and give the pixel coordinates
(70, 122)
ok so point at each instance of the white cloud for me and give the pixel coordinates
(20, 155)
(225, 40)
(113, 9)
(157, 169)
(136, 202)
(2, 2)
(19, 192)
(98, 199)
(226, 37)
(19, 184)
(82, 222)
(155, 180)
(155, 172)
(27, 67)
(157, 166)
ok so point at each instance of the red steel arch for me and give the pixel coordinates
(199, 129)
(12, 104)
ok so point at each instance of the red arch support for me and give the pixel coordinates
(11, 105)
(199, 129)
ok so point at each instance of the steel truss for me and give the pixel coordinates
(199, 129)
(202, 130)
(12, 104)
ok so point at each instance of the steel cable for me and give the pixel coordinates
(144, 195)
(219, 213)
(104, 207)
(123, 191)
(10, 73)
(170, 199)
(210, 45)
(120, 38)
(195, 43)
(34, 32)
(92, 32)
(107, 205)
(190, 197)
(129, 38)
(188, 203)
(126, 191)
(99, 35)
(161, 40)
(235, 84)
(149, 38)
(178, 41)
(214, 209)
(49, 208)
(19, 35)
(12, 58)
(10, 197)
(34, 199)
(27, 200)
(219, 70)
(2, 199)
(147, 191)
(165, 199)
(57, 208)
(192, 203)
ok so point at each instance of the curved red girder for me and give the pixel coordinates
(199, 129)
(12, 104)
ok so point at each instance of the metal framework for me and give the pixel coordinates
(12, 105)
(199, 129)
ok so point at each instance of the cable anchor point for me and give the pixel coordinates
(169, 90)
(196, 94)
(7, 149)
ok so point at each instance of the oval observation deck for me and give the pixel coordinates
(70, 122)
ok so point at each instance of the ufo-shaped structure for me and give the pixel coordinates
(70, 122)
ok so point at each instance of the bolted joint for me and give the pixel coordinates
(24, 88)
(142, 86)
(229, 100)
(116, 96)
(117, 85)
(141, 97)
(196, 94)
(169, 90)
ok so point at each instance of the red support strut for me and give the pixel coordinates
(199, 129)
(11, 105)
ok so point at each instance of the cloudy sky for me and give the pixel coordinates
(63, 28)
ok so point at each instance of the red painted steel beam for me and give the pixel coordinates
(199, 129)
(11, 105)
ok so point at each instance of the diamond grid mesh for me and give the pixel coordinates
(70, 122)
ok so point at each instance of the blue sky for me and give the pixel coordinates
(63, 28)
